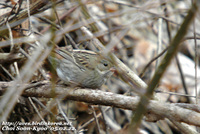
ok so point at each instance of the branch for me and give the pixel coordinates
(159, 109)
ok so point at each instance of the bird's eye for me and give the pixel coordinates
(105, 64)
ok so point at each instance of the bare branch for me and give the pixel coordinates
(159, 109)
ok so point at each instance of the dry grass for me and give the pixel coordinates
(135, 35)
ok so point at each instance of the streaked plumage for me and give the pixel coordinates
(82, 68)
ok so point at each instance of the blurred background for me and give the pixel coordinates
(138, 32)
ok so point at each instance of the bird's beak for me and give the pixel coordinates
(112, 69)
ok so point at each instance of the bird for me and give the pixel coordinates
(81, 68)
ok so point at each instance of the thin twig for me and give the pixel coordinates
(64, 115)
(91, 120)
(96, 120)
(150, 62)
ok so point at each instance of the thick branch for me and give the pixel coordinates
(164, 110)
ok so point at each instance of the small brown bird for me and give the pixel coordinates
(81, 68)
